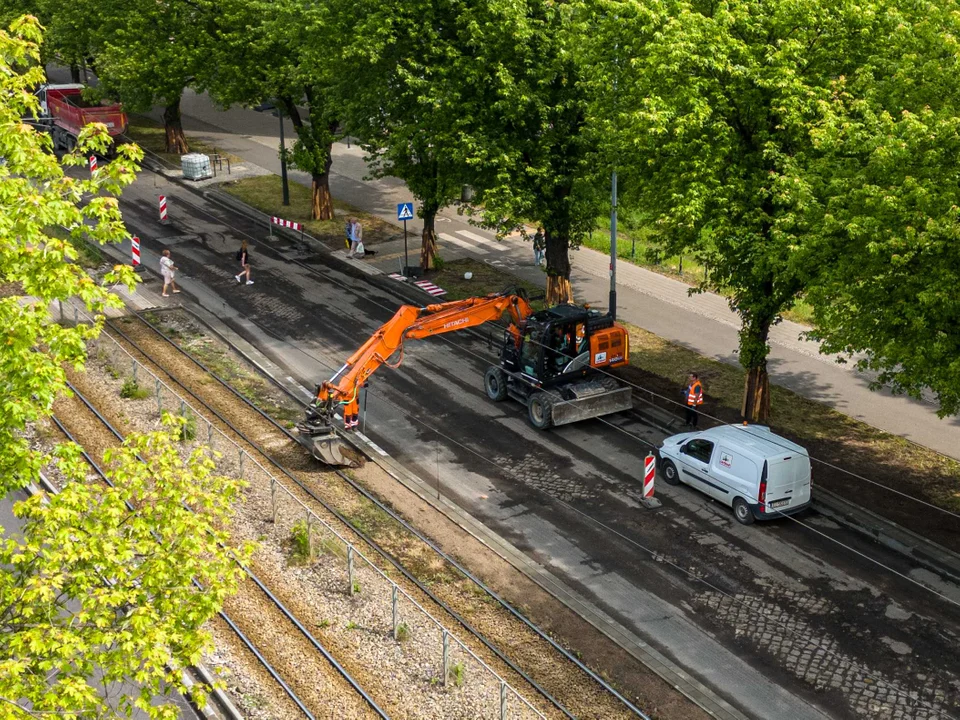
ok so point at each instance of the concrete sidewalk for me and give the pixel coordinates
(662, 305)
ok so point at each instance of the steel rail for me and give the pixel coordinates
(407, 526)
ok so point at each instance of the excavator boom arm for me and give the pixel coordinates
(416, 323)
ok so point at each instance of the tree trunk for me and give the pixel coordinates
(74, 73)
(321, 199)
(321, 202)
(756, 395)
(754, 348)
(559, 291)
(428, 245)
(176, 140)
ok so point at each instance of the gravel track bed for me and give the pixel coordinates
(409, 689)
(579, 693)
(320, 687)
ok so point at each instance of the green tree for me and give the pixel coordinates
(891, 134)
(148, 53)
(717, 125)
(100, 588)
(39, 205)
(400, 94)
(525, 113)
(283, 51)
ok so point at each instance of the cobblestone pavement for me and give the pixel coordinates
(534, 472)
(815, 657)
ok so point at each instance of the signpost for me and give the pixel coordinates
(405, 212)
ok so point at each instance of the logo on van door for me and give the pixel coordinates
(599, 358)
(726, 460)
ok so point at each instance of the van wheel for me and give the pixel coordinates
(495, 383)
(668, 471)
(742, 512)
(540, 410)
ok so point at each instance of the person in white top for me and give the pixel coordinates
(167, 270)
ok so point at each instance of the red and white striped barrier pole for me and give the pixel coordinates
(135, 252)
(649, 475)
(93, 165)
(274, 220)
(163, 209)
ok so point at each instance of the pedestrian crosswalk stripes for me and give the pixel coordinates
(485, 242)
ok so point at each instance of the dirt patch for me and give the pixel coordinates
(151, 136)
(484, 279)
(265, 193)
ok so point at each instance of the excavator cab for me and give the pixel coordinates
(551, 365)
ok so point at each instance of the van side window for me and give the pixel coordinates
(699, 450)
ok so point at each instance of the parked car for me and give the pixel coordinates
(758, 473)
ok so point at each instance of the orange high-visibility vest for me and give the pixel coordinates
(695, 393)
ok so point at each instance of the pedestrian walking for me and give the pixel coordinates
(356, 239)
(539, 247)
(168, 271)
(694, 394)
(243, 255)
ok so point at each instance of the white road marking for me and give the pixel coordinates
(372, 444)
(479, 239)
(457, 241)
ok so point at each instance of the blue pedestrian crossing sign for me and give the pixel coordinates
(404, 211)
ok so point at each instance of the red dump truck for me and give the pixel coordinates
(64, 112)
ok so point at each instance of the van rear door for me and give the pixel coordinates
(788, 481)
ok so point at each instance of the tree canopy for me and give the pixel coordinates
(110, 585)
(399, 90)
(40, 208)
(725, 126)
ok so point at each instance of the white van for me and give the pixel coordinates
(747, 467)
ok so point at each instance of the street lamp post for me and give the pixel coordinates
(283, 160)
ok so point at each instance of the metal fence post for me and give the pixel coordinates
(350, 567)
(273, 498)
(309, 536)
(394, 593)
(133, 364)
(503, 700)
(182, 406)
(210, 434)
(76, 316)
(240, 453)
(446, 657)
(159, 398)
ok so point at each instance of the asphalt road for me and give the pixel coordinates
(788, 619)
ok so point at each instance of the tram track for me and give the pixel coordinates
(307, 680)
(528, 656)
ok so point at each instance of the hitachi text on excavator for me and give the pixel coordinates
(549, 361)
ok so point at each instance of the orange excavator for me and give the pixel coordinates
(548, 361)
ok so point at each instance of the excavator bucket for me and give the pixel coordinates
(329, 450)
(326, 445)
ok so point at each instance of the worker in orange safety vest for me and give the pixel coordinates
(694, 393)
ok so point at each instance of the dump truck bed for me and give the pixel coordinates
(69, 112)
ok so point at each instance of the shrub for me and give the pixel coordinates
(300, 541)
(132, 391)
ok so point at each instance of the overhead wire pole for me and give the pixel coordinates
(613, 206)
